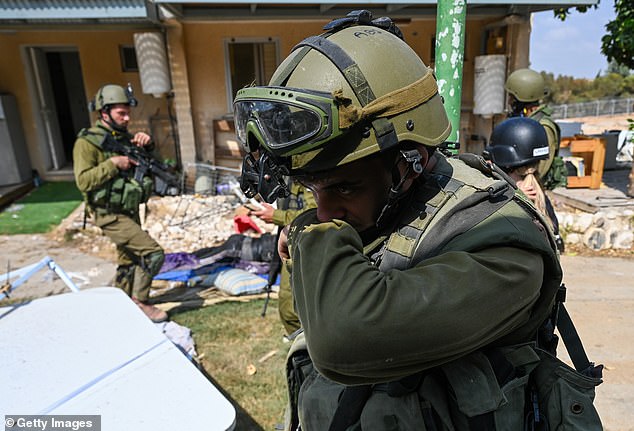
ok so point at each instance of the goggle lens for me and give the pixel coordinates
(281, 124)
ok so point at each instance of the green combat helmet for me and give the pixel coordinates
(350, 92)
(112, 95)
(526, 85)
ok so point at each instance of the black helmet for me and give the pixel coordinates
(517, 142)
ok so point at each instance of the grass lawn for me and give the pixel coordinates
(40, 210)
(233, 337)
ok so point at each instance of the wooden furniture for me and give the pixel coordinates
(592, 150)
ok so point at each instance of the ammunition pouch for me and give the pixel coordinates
(565, 395)
(122, 195)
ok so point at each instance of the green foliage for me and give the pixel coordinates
(566, 89)
(41, 210)
(618, 43)
(562, 13)
(615, 67)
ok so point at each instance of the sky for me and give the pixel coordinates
(571, 47)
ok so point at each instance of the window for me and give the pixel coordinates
(249, 62)
(128, 58)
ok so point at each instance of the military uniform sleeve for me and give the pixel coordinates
(91, 168)
(364, 326)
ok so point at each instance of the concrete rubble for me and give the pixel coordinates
(183, 223)
(191, 222)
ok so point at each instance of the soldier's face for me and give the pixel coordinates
(120, 115)
(355, 193)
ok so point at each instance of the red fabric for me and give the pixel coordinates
(243, 223)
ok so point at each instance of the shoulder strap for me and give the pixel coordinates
(93, 135)
(462, 209)
(571, 339)
(542, 116)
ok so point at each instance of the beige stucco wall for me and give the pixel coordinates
(198, 69)
(100, 63)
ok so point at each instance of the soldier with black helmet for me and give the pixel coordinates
(526, 89)
(518, 145)
(113, 196)
(421, 281)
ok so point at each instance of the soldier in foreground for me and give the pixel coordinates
(113, 195)
(422, 282)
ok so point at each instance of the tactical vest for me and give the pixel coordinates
(552, 171)
(121, 194)
(511, 385)
(295, 200)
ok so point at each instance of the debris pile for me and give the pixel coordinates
(183, 223)
(191, 222)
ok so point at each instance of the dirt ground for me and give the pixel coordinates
(600, 300)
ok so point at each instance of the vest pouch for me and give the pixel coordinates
(99, 198)
(488, 391)
(148, 187)
(317, 401)
(565, 396)
(132, 197)
(404, 413)
(110, 195)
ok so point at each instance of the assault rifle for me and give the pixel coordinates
(165, 182)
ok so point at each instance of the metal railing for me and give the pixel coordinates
(594, 109)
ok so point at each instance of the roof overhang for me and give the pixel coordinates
(78, 12)
(70, 12)
(190, 10)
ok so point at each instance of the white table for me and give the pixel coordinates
(95, 353)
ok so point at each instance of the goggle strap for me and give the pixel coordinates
(290, 67)
(345, 64)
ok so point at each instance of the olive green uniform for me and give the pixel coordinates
(139, 256)
(299, 200)
(367, 323)
(551, 171)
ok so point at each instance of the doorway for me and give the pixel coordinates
(61, 102)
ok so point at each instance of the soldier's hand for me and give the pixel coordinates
(265, 214)
(282, 244)
(122, 163)
(141, 139)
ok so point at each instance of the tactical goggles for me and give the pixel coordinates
(285, 120)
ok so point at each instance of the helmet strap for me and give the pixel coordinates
(413, 159)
